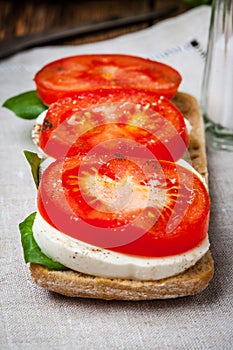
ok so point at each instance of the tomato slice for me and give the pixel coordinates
(133, 206)
(70, 75)
(76, 125)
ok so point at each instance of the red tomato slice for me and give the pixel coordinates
(70, 75)
(144, 117)
(134, 206)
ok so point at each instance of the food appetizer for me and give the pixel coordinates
(122, 203)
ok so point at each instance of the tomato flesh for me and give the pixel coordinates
(71, 75)
(133, 206)
(75, 126)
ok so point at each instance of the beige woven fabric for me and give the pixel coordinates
(32, 318)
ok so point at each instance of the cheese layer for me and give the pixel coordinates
(89, 259)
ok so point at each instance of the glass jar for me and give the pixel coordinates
(217, 90)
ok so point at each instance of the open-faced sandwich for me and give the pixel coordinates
(122, 204)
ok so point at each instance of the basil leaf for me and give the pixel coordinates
(26, 105)
(32, 252)
(34, 160)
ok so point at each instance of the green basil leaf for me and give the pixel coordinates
(26, 105)
(32, 252)
(34, 161)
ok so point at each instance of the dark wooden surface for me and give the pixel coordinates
(32, 16)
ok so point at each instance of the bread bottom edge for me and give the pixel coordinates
(75, 284)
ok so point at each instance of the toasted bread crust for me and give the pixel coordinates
(192, 281)
(75, 284)
(189, 106)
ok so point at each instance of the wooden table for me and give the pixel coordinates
(32, 16)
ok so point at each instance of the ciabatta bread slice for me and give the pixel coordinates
(192, 281)
(75, 284)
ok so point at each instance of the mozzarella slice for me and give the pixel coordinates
(82, 257)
